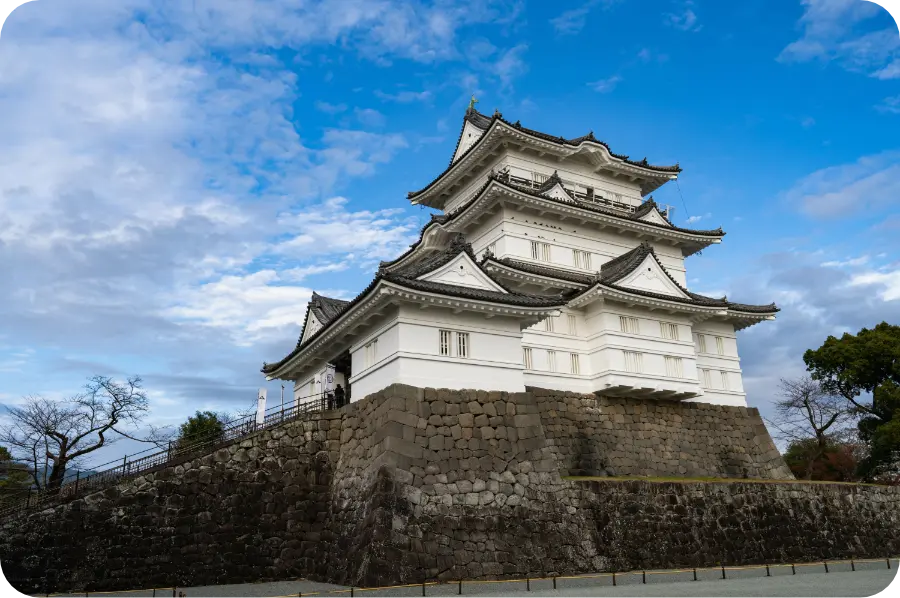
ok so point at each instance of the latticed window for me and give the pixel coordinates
(540, 251)
(445, 342)
(575, 366)
(674, 367)
(634, 361)
(528, 358)
(371, 353)
(629, 325)
(725, 380)
(581, 259)
(462, 344)
(669, 331)
(551, 361)
(720, 345)
(701, 341)
(705, 379)
(548, 324)
(573, 325)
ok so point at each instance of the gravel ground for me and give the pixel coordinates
(803, 580)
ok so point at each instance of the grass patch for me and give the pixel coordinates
(709, 480)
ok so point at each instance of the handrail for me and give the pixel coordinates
(128, 466)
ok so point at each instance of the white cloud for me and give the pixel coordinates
(685, 19)
(889, 105)
(605, 85)
(405, 96)
(831, 32)
(330, 108)
(849, 262)
(870, 183)
(573, 20)
(889, 281)
(370, 117)
(698, 218)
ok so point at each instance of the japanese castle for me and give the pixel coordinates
(549, 266)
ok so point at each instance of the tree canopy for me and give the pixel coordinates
(203, 426)
(864, 368)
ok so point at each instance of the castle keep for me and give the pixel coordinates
(547, 266)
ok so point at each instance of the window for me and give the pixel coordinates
(371, 353)
(581, 259)
(674, 367)
(312, 387)
(669, 331)
(548, 324)
(575, 367)
(551, 361)
(445, 342)
(702, 342)
(528, 358)
(628, 324)
(633, 361)
(462, 344)
(724, 380)
(720, 345)
(539, 178)
(573, 328)
(705, 379)
(540, 251)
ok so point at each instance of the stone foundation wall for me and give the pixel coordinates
(412, 484)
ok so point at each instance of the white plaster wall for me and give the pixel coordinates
(514, 233)
(411, 353)
(729, 363)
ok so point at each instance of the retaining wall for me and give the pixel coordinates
(411, 484)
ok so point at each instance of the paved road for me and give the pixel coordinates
(868, 579)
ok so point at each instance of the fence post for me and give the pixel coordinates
(767, 571)
(852, 565)
(460, 587)
(124, 463)
(77, 478)
(351, 591)
(644, 576)
(695, 573)
(826, 566)
(423, 583)
(888, 561)
(614, 578)
(154, 592)
(527, 584)
(723, 571)
(173, 591)
(793, 569)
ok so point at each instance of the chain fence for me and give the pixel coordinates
(113, 472)
(458, 587)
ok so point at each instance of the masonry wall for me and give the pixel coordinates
(412, 484)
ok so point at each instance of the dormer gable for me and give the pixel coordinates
(655, 217)
(311, 325)
(639, 269)
(651, 276)
(553, 188)
(462, 271)
(469, 136)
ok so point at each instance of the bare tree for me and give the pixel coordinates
(54, 434)
(807, 412)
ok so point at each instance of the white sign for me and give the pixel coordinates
(261, 406)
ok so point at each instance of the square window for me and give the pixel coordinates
(628, 325)
(674, 367)
(633, 362)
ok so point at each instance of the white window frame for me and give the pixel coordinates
(705, 379)
(574, 363)
(463, 346)
(371, 352)
(581, 259)
(725, 385)
(720, 345)
(634, 362)
(573, 325)
(528, 358)
(549, 325)
(551, 360)
(674, 367)
(629, 325)
(668, 331)
(701, 341)
(445, 344)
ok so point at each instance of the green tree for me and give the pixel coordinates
(202, 427)
(864, 368)
(15, 478)
(836, 461)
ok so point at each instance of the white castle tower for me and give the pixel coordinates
(548, 268)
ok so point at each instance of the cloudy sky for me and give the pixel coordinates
(177, 176)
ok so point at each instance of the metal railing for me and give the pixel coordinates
(593, 197)
(140, 463)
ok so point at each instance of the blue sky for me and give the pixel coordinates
(177, 177)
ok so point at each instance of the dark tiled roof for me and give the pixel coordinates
(406, 278)
(484, 122)
(618, 268)
(326, 308)
(547, 271)
(647, 207)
